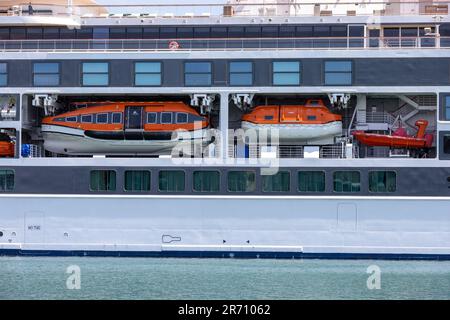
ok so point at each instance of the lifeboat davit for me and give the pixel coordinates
(311, 123)
(6, 146)
(125, 128)
(399, 138)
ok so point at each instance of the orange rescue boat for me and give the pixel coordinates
(6, 146)
(398, 139)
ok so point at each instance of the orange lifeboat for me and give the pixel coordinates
(6, 146)
(123, 128)
(399, 139)
(311, 123)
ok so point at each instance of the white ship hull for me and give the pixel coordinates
(226, 226)
(317, 134)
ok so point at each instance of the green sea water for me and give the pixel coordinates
(177, 278)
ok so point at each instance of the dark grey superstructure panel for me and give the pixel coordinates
(366, 72)
(420, 181)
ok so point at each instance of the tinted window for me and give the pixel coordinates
(46, 74)
(6, 180)
(447, 144)
(86, 118)
(338, 72)
(151, 117)
(116, 117)
(197, 74)
(311, 181)
(102, 118)
(103, 180)
(182, 117)
(137, 180)
(382, 181)
(171, 181)
(447, 108)
(71, 119)
(206, 181)
(241, 73)
(147, 73)
(166, 117)
(286, 73)
(279, 182)
(3, 74)
(241, 181)
(346, 181)
(95, 74)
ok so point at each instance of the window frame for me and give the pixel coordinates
(299, 72)
(211, 73)
(87, 115)
(14, 180)
(277, 191)
(103, 170)
(107, 73)
(149, 113)
(67, 119)
(340, 192)
(247, 191)
(382, 171)
(252, 73)
(206, 191)
(171, 170)
(446, 108)
(324, 175)
(101, 114)
(6, 74)
(184, 113)
(135, 73)
(351, 72)
(161, 117)
(112, 117)
(139, 171)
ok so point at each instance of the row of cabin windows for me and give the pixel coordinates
(184, 32)
(243, 181)
(116, 118)
(241, 73)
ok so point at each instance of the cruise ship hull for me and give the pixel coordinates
(226, 226)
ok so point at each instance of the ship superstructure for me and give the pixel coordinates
(245, 128)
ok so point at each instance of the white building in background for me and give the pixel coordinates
(334, 7)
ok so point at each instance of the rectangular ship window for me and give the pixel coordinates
(95, 74)
(347, 181)
(151, 117)
(447, 108)
(311, 181)
(137, 180)
(279, 182)
(6, 180)
(171, 181)
(3, 74)
(182, 117)
(338, 72)
(102, 118)
(382, 181)
(286, 73)
(103, 180)
(241, 73)
(241, 181)
(117, 117)
(147, 74)
(206, 181)
(447, 144)
(86, 118)
(197, 73)
(166, 117)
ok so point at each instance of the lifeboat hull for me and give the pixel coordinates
(379, 140)
(6, 149)
(305, 134)
(75, 142)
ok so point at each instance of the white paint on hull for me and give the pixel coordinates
(117, 223)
